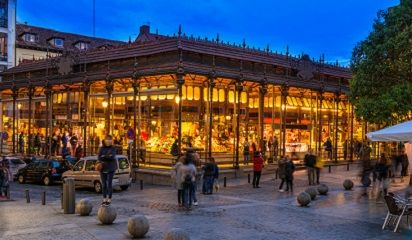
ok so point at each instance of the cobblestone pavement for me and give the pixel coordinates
(236, 212)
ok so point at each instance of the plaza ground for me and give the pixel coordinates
(235, 212)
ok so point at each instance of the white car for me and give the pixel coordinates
(85, 175)
(14, 164)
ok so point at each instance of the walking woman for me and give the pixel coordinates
(108, 165)
(257, 168)
(177, 179)
(382, 170)
(188, 178)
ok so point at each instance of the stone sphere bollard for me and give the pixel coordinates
(303, 199)
(176, 234)
(348, 184)
(84, 207)
(138, 226)
(312, 192)
(323, 189)
(366, 182)
(106, 214)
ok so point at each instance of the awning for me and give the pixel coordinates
(398, 133)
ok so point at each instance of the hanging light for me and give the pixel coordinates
(250, 102)
(243, 97)
(105, 104)
(130, 98)
(196, 93)
(256, 103)
(221, 95)
(231, 96)
(205, 94)
(177, 99)
(19, 105)
(215, 95)
(190, 93)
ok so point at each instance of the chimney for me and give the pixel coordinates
(144, 29)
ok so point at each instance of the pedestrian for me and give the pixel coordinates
(188, 179)
(309, 162)
(246, 152)
(405, 164)
(79, 152)
(318, 167)
(258, 164)
(176, 175)
(328, 148)
(275, 148)
(21, 143)
(195, 159)
(107, 159)
(345, 150)
(215, 176)
(209, 172)
(367, 167)
(382, 170)
(289, 170)
(264, 147)
(282, 172)
(37, 144)
(4, 179)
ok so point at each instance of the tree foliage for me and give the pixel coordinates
(381, 88)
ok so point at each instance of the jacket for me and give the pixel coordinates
(189, 170)
(209, 169)
(177, 175)
(310, 160)
(257, 163)
(282, 168)
(289, 169)
(107, 155)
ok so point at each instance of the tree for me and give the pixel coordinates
(381, 88)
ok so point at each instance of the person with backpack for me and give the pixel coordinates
(188, 178)
(209, 172)
(108, 165)
(176, 175)
(382, 170)
(310, 162)
(246, 152)
(282, 172)
(289, 170)
(258, 164)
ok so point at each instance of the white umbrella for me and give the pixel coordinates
(398, 133)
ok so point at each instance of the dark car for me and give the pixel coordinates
(44, 171)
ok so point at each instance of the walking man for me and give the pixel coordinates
(309, 162)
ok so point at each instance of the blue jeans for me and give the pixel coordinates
(188, 195)
(193, 191)
(208, 184)
(107, 179)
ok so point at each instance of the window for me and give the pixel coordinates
(82, 45)
(57, 42)
(78, 166)
(123, 163)
(90, 165)
(29, 37)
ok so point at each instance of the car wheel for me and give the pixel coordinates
(21, 179)
(97, 187)
(46, 181)
(124, 187)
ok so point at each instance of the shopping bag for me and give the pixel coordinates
(216, 185)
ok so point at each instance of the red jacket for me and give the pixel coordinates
(257, 163)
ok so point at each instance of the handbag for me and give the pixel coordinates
(98, 167)
(216, 185)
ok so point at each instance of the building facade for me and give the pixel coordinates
(160, 95)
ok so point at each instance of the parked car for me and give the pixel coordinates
(85, 175)
(14, 163)
(44, 171)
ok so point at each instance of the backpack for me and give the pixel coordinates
(187, 182)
